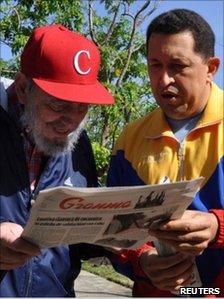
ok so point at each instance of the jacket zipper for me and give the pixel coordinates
(180, 175)
(29, 280)
(33, 194)
(181, 161)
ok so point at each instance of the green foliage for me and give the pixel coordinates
(102, 155)
(9, 68)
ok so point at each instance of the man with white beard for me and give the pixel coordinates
(42, 115)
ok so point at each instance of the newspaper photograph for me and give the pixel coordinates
(111, 217)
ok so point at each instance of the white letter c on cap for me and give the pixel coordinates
(76, 62)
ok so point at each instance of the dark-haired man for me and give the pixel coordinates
(181, 140)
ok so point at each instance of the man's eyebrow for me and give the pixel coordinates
(182, 58)
(173, 59)
(57, 102)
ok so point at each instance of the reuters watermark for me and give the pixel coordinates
(199, 291)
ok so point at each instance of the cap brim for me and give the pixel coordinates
(89, 93)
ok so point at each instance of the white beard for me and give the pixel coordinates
(45, 145)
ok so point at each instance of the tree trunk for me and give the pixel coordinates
(105, 132)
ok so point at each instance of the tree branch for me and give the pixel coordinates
(112, 25)
(4, 70)
(130, 49)
(156, 4)
(114, 133)
(136, 16)
(90, 19)
(18, 17)
(6, 43)
(138, 19)
(144, 7)
(136, 49)
(128, 15)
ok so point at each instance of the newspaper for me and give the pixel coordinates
(111, 217)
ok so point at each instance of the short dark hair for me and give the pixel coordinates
(180, 20)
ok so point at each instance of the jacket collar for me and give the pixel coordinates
(158, 126)
(213, 113)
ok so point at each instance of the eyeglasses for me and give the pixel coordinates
(64, 106)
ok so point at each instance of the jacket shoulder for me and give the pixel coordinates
(83, 160)
(136, 130)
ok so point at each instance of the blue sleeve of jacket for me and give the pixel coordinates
(121, 172)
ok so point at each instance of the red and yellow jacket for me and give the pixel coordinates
(147, 152)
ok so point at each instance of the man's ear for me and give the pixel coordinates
(20, 86)
(213, 65)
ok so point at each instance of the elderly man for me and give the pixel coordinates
(181, 140)
(42, 145)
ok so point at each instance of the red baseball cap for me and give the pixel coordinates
(65, 65)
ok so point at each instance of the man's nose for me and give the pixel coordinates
(166, 78)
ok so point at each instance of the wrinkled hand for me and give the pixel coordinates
(14, 251)
(167, 273)
(190, 234)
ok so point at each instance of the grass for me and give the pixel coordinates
(107, 272)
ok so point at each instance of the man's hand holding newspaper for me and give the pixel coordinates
(191, 233)
(167, 273)
(187, 236)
